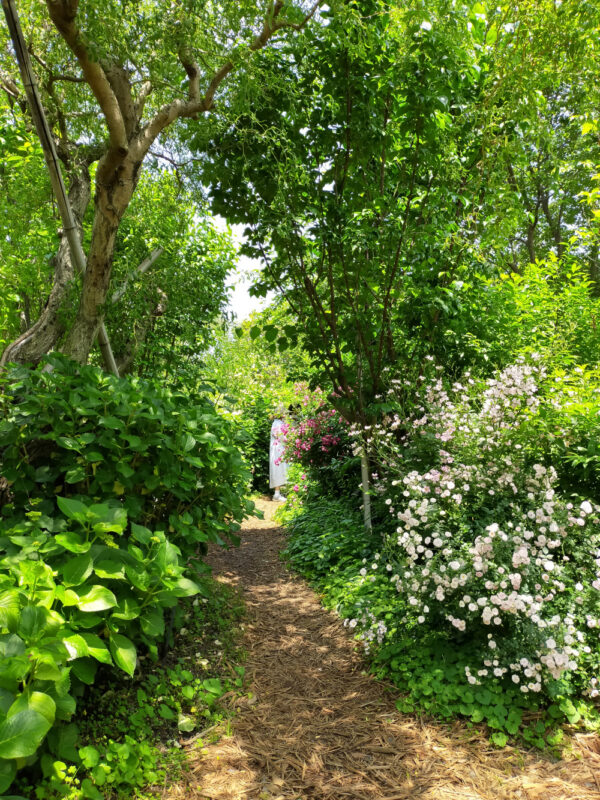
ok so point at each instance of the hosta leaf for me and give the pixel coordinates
(22, 734)
(123, 652)
(99, 598)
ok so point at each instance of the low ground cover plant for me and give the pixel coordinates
(135, 735)
(110, 491)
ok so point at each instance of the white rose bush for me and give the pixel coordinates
(484, 548)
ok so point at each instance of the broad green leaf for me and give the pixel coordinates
(99, 598)
(8, 770)
(77, 570)
(185, 724)
(123, 652)
(38, 701)
(152, 622)
(73, 542)
(75, 475)
(89, 756)
(96, 647)
(76, 646)
(22, 734)
(110, 568)
(66, 742)
(213, 685)
(90, 792)
(140, 534)
(186, 588)
(73, 509)
(85, 669)
(32, 623)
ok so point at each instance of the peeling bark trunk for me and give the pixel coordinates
(46, 332)
(110, 203)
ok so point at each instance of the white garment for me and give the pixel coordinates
(277, 471)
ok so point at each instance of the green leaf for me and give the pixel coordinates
(66, 742)
(73, 509)
(123, 652)
(90, 792)
(72, 542)
(185, 724)
(75, 474)
(99, 598)
(8, 770)
(38, 701)
(90, 756)
(96, 648)
(85, 669)
(22, 734)
(77, 570)
(499, 739)
(32, 623)
(76, 646)
(213, 685)
(165, 712)
(153, 623)
(185, 588)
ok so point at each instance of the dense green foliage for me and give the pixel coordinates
(111, 488)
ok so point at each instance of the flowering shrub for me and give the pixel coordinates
(482, 545)
(316, 439)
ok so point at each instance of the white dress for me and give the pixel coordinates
(278, 469)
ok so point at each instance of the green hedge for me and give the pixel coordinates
(110, 490)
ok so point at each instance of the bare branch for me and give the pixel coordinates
(143, 267)
(143, 95)
(54, 76)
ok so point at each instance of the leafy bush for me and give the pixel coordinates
(83, 581)
(169, 461)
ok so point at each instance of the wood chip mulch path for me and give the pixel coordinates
(319, 728)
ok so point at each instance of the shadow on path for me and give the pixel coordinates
(320, 728)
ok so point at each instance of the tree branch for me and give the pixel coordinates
(63, 13)
(143, 267)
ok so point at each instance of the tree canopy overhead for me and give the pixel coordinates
(115, 77)
(390, 164)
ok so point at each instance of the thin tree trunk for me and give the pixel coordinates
(366, 489)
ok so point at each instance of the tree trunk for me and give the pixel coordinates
(366, 491)
(113, 194)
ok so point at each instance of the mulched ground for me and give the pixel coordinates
(320, 728)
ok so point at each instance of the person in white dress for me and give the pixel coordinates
(278, 469)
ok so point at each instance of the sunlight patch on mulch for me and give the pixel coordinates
(319, 728)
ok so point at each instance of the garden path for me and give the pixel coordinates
(318, 727)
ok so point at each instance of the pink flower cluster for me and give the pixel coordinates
(308, 439)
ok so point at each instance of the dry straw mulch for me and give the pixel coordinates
(320, 728)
